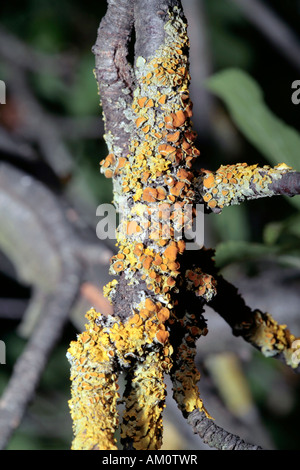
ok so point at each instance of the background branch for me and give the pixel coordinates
(36, 125)
(273, 27)
(32, 362)
(252, 325)
(22, 55)
(48, 254)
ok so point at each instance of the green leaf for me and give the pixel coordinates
(272, 232)
(281, 232)
(230, 252)
(237, 251)
(82, 98)
(233, 224)
(277, 141)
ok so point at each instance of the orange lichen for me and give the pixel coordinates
(108, 174)
(156, 169)
(109, 160)
(142, 101)
(150, 194)
(140, 120)
(133, 228)
(209, 181)
(231, 184)
(269, 336)
(162, 336)
(162, 99)
(171, 251)
(166, 150)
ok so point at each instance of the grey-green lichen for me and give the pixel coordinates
(232, 184)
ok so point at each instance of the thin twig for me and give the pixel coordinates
(37, 126)
(32, 362)
(233, 184)
(17, 147)
(77, 128)
(273, 27)
(257, 328)
(37, 236)
(15, 50)
(12, 309)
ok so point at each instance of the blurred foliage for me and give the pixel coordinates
(278, 143)
(253, 84)
(230, 48)
(268, 134)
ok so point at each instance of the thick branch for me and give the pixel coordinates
(150, 19)
(113, 73)
(155, 167)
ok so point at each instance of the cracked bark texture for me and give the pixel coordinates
(113, 72)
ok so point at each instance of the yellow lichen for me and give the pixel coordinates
(231, 184)
(94, 390)
(155, 175)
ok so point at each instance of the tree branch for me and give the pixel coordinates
(114, 74)
(32, 362)
(233, 184)
(150, 19)
(45, 249)
(257, 328)
(32, 117)
(215, 436)
(13, 49)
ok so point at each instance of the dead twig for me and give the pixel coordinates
(273, 28)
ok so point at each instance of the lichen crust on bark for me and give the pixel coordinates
(156, 183)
